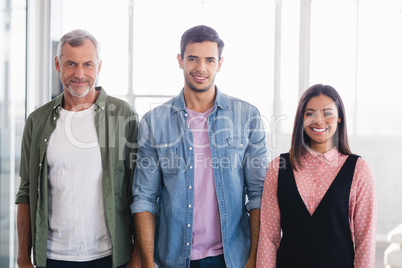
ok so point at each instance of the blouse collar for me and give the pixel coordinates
(331, 157)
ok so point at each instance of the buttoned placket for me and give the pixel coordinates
(317, 178)
(220, 196)
(55, 116)
(45, 139)
(189, 152)
(42, 183)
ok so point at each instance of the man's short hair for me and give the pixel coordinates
(199, 34)
(76, 38)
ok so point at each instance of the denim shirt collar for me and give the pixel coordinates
(179, 104)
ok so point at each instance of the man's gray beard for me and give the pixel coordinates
(72, 92)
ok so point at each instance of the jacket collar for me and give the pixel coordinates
(178, 103)
(99, 103)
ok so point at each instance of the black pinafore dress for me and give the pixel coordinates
(321, 240)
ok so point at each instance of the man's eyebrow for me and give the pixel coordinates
(89, 61)
(70, 61)
(196, 57)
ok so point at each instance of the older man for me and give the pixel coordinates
(77, 164)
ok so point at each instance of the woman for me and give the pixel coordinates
(319, 195)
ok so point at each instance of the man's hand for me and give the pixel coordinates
(144, 223)
(135, 260)
(25, 264)
(24, 236)
(254, 232)
(251, 263)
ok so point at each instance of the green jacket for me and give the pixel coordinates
(116, 125)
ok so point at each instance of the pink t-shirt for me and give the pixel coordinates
(207, 235)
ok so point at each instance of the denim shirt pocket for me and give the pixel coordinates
(236, 149)
(168, 158)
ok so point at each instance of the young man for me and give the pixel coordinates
(199, 155)
(76, 169)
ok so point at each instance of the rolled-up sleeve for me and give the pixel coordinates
(23, 191)
(147, 175)
(256, 161)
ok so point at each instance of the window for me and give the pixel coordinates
(108, 22)
(247, 30)
(379, 61)
(12, 118)
(289, 73)
(355, 47)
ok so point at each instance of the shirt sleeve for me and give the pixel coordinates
(147, 176)
(23, 191)
(130, 144)
(256, 161)
(363, 216)
(270, 229)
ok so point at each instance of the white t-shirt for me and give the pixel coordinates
(77, 221)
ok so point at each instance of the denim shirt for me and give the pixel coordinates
(164, 176)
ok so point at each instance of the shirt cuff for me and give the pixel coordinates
(22, 200)
(142, 206)
(253, 204)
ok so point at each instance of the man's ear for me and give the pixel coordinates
(57, 64)
(220, 64)
(99, 67)
(180, 60)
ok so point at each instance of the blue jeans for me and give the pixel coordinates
(209, 262)
(99, 263)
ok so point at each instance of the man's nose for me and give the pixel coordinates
(201, 66)
(79, 71)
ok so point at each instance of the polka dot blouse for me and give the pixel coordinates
(313, 181)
